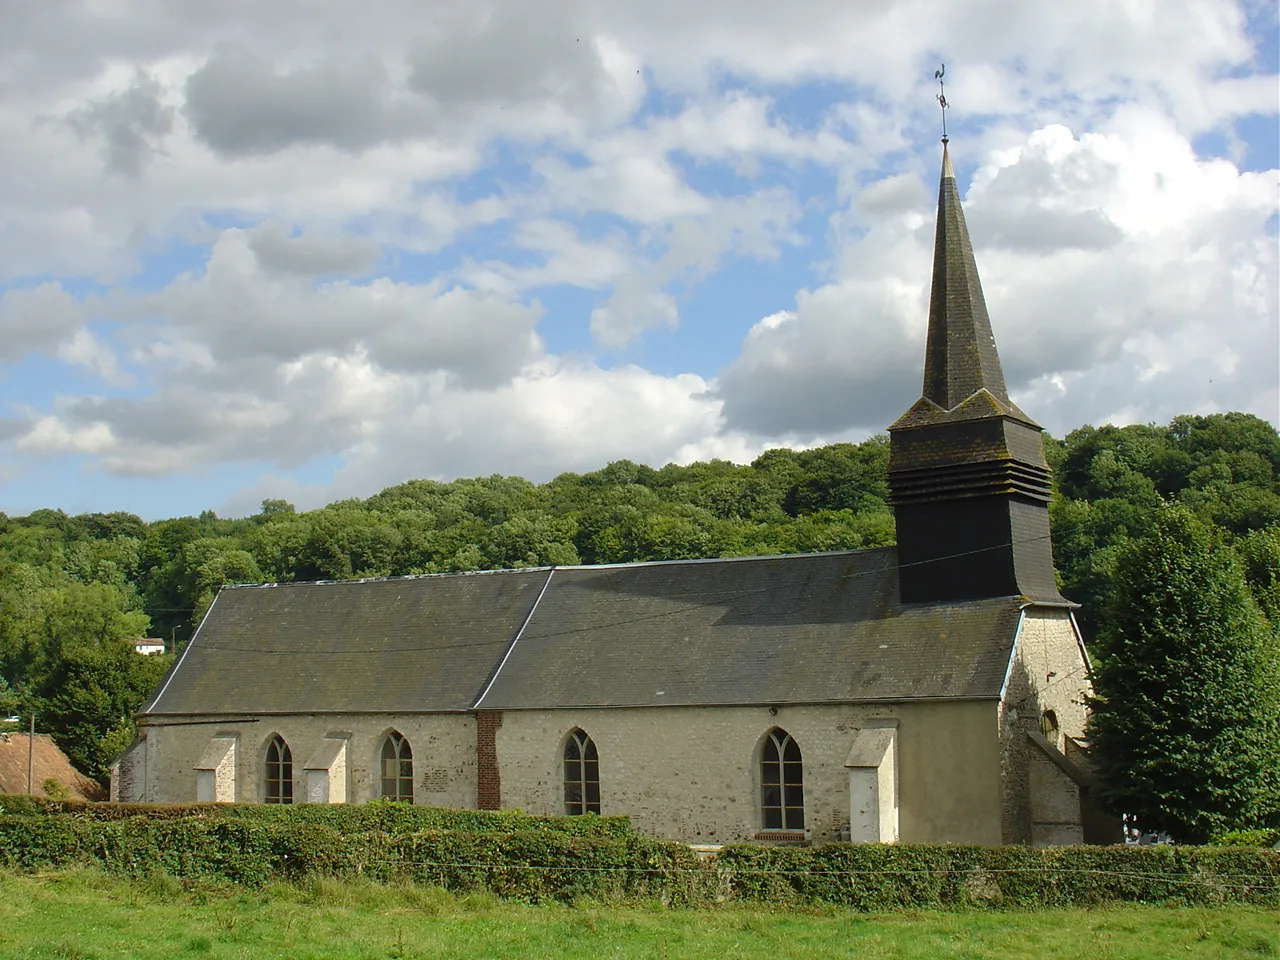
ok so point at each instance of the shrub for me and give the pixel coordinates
(874, 877)
(344, 818)
(1247, 838)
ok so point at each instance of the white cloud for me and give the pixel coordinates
(87, 351)
(50, 435)
(557, 415)
(311, 254)
(568, 258)
(37, 319)
(240, 105)
(756, 226)
(243, 315)
(1103, 259)
(375, 302)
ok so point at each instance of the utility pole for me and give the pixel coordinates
(31, 753)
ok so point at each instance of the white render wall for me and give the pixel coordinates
(693, 773)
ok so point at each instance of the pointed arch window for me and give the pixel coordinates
(397, 768)
(781, 783)
(279, 773)
(581, 775)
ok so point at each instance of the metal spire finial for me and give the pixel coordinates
(942, 98)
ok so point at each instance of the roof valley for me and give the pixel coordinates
(497, 672)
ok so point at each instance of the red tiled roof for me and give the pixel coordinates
(49, 763)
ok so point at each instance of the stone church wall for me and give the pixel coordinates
(443, 745)
(693, 773)
(1049, 677)
(687, 773)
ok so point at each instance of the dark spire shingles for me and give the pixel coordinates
(960, 358)
(962, 375)
(967, 472)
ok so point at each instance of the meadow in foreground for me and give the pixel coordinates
(82, 914)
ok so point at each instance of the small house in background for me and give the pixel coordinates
(51, 772)
(148, 646)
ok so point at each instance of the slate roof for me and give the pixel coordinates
(409, 643)
(792, 629)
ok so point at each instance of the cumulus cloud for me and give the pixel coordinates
(1101, 258)
(51, 435)
(557, 415)
(755, 227)
(36, 319)
(311, 254)
(567, 258)
(287, 414)
(515, 53)
(410, 185)
(131, 125)
(842, 361)
(242, 314)
(90, 353)
(239, 104)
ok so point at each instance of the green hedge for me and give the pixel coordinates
(548, 864)
(532, 865)
(879, 877)
(344, 818)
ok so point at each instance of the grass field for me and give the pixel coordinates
(78, 915)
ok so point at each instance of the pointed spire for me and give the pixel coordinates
(960, 358)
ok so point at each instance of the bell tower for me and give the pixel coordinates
(967, 474)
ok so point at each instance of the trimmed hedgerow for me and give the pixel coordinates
(878, 877)
(344, 818)
(532, 865)
(546, 864)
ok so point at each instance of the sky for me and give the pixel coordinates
(308, 249)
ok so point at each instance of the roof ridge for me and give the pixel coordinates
(557, 567)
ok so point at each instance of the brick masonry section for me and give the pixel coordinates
(489, 780)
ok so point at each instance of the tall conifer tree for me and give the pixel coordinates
(1186, 721)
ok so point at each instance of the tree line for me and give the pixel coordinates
(74, 590)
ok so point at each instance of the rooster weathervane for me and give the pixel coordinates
(942, 98)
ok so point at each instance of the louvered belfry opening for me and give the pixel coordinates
(967, 472)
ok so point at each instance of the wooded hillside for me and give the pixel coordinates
(73, 589)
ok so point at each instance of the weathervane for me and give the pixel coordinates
(942, 98)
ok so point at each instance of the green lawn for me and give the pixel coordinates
(79, 915)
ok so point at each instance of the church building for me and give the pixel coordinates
(930, 692)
